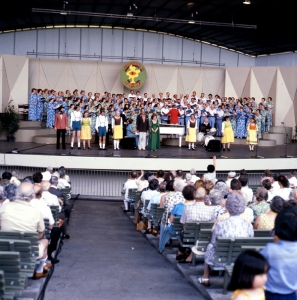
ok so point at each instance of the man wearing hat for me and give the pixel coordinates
(61, 123)
(231, 175)
(101, 128)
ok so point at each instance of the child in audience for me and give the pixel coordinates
(249, 276)
(282, 257)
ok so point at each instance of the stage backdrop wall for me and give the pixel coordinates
(18, 74)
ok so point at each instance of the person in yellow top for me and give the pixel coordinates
(252, 130)
(249, 276)
(85, 134)
(227, 133)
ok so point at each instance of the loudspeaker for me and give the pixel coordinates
(214, 146)
(128, 143)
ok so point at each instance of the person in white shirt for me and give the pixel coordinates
(244, 189)
(202, 98)
(194, 177)
(75, 122)
(284, 190)
(129, 184)
(293, 179)
(266, 183)
(46, 176)
(131, 95)
(14, 178)
(48, 198)
(231, 175)
(101, 127)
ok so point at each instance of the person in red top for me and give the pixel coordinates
(174, 113)
(61, 123)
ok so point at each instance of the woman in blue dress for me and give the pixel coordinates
(131, 131)
(240, 125)
(249, 115)
(32, 115)
(50, 118)
(39, 109)
(233, 120)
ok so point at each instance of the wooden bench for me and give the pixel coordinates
(261, 233)
(228, 249)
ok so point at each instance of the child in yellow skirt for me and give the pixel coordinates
(252, 130)
(85, 134)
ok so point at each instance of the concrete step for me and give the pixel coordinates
(48, 139)
(278, 137)
(282, 129)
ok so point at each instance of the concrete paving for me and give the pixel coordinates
(106, 258)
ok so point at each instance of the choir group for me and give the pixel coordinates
(182, 110)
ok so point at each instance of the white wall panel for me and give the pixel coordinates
(112, 44)
(191, 52)
(152, 46)
(294, 59)
(91, 42)
(48, 42)
(132, 44)
(172, 49)
(246, 61)
(210, 54)
(70, 42)
(25, 41)
(228, 58)
(7, 43)
(280, 60)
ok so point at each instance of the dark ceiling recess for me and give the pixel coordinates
(274, 19)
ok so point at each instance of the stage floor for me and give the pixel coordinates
(237, 151)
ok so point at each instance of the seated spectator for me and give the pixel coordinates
(293, 179)
(15, 177)
(274, 182)
(208, 185)
(19, 215)
(249, 276)
(38, 203)
(266, 221)
(222, 187)
(46, 176)
(194, 177)
(142, 180)
(54, 187)
(67, 178)
(266, 183)
(9, 191)
(199, 183)
(281, 257)
(260, 206)
(6, 177)
(232, 227)
(284, 188)
(160, 175)
(37, 178)
(157, 198)
(245, 189)
(231, 175)
(172, 198)
(3, 199)
(168, 177)
(188, 178)
(218, 202)
(179, 174)
(62, 182)
(28, 179)
(267, 175)
(211, 172)
(49, 198)
(129, 184)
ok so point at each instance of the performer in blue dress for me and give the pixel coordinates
(39, 110)
(50, 118)
(249, 115)
(240, 124)
(233, 120)
(32, 115)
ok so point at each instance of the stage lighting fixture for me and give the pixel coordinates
(64, 13)
(191, 22)
(130, 13)
(246, 2)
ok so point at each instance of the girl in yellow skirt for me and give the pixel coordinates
(192, 132)
(252, 130)
(117, 130)
(227, 133)
(85, 134)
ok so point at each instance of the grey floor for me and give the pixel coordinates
(106, 258)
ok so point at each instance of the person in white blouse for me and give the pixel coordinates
(101, 127)
(284, 190)
(49, 198)
(76, 118)
(293, 179)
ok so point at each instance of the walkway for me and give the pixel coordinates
(106, 258)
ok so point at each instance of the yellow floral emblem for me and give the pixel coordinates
(132, 73)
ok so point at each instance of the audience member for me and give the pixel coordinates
(47, 174)
(267, 176)
(281, 257)
(284, 188)
(260, 206)
(232, 227)
(6, 177)
(293, 179)
(15, 177)
(231, 175)
(266, 183)
(9, 191)
(245, 189)
(211, 172)
(129, 184)
(194, 177)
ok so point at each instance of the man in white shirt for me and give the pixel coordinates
(202, 97)
(131, 95)
(46, 176)
(231, 175)
(49, 198)
(194, 177)
(129, 184)
(246, 190)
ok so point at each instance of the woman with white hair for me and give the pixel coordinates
(232, 227)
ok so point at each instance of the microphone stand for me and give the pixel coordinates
(285, 156)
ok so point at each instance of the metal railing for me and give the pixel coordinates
(108, 183)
